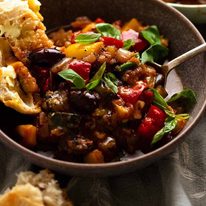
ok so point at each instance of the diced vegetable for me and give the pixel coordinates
(131, 95)
(95, 156)
(82, 68)
(140, 45)
(150, 125)
(45, 57)
(89, 27)
(132, 24)
(28, 134)
(80, 51)
(110, 41)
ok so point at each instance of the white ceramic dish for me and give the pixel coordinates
(196, 13)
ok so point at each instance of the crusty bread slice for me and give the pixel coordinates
(22, 195)
(22, 27)
(35, 190)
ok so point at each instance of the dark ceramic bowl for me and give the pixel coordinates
(182, 35)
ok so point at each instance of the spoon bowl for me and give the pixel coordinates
(167, 67)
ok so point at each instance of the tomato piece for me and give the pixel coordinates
(158, 116)
(131, 95)
(150, 125)
(110, 41)
(147, 96)
(82, 68)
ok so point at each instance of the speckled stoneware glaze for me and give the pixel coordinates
(182, 35)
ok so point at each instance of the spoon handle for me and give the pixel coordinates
(184, 57)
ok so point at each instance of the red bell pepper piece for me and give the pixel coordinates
(147, 96)
(141, 44)
(99, 20)
(82, 68)
(131, 95)
(110, 41)
(150, 125)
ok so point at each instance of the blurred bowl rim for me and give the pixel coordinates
(189, 6)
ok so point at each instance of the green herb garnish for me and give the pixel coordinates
(96, 78)
(125, 66)
(73, 77)
(172, 119)
(170, 125)
(87, 38)
(156, 51)
(187, 98)
(152, 35)
(108, 30)
(111, 81)
(128, 44)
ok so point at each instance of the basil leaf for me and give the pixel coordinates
(152, 35)
(72, 76)
(170, 124)
(154, 53)
(187, 98)
(160, 102)
(111, 82)
(128, 44)
(87, 38)
(125, 66)
(108, 30)
(96, 78)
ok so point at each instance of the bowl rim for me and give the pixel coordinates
(188, 6)
(91, 168)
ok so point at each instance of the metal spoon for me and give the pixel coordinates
(166, 68)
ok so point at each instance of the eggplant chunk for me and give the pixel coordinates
(45, 57)
(84, 101)
(56, 101)
(79, 145)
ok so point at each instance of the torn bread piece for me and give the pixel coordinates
(35, 190)
(21, 24)
(17, 87)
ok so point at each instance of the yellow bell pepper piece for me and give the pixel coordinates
(132, 24)
(89, 27)
(80, 51)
